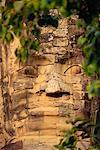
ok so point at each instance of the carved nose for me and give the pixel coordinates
(56, 88)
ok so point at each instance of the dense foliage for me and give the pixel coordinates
(76, 136)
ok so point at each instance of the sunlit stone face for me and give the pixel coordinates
(46, 91)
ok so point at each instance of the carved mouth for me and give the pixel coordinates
(57, 94)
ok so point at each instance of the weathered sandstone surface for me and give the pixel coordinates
(38, 97)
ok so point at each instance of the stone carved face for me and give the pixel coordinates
(45, 95)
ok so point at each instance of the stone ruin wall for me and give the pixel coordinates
(38, 97)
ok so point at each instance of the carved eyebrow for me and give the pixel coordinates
(73, 66)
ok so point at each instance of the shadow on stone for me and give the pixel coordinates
(13, 146)
(57, 94)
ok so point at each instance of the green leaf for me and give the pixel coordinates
(63, 11)
(64, 3)
(82, 41)
(94, 88)
(34, 45)
(36, 31)
(97, 34)
(9, 37)
(90, 69)
(10, 4)
(18, 5)
(43, 4)
(0, 30)
(36, 4)
(23, 42)
(17, 31)
(24, 55)
(4, 31)
(80, 23)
